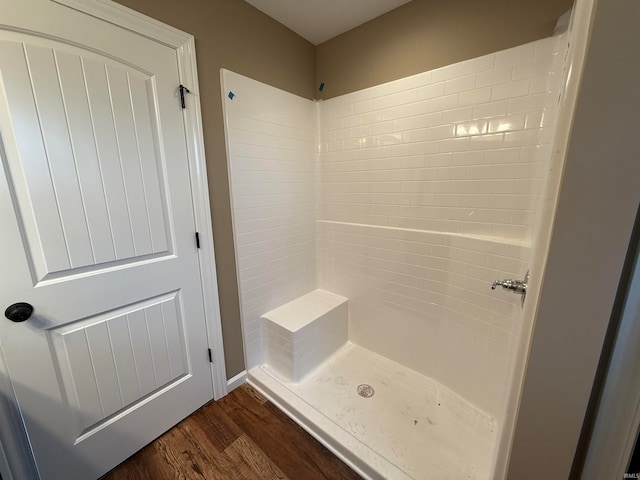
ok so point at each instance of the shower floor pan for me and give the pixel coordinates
(411, 427)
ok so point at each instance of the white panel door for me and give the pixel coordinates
(97, 234)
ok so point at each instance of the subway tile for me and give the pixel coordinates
(468, 158)
(442, 132)
(335, 146)
(382, 127)
(456, 115)
(430, 120)
(539, 84)
(531, 68)
(536, 119)
(394, 99)
(523, 217)
(482, 142)
(452, 173)
(362, 107)
(402, 124)
(534, 153)
(475, 97)
(446, 102)
(503, 156)
(419, 107)
(460, 84)
(353, 121)
(430, 91)
(517, 171)
(530, 103)
(554, 82)
(419, 135)
(446, 73)
(343, 134)
(494, 77)
(529, 186)
(506, 124)
(449, 226)
(493, 109)
(414, 81)
(424, 174)
(512, 89)
(372, 117)
(522, 138)
(509, 231)
(454, 144)
(547, 134)
(480, 64)
(341, 111)
(478, 200)
(479, 127)
(482, 172)
(439, 159)
(362, 131)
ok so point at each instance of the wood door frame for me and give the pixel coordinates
(13, 438)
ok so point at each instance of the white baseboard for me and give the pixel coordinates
(236, 381)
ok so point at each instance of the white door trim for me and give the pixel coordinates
(200, 192)
(184, 45)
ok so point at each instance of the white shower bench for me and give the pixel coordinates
(303, 333)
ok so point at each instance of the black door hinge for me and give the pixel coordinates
(183, 90)
(210, 356)
(197, 240)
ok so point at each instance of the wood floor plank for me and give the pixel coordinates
(205, 458)
(240, 437)
(266, 431)
(244, 450)
(213, 463)
(296, 453)
(179, 460)
(144, 465)
(320, 456)
(220, 429)
(254, 393)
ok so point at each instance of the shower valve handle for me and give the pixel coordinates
(514, 286)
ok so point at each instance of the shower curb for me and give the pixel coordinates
(362, 459)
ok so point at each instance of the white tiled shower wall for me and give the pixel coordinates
(457, 149)
(427, 189)
(272, 150)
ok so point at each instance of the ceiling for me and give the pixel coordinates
(320, 20)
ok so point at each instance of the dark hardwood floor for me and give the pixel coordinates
(241, 436)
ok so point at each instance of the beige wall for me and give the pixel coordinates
(596, 210)
(234, 35)
(426, 34)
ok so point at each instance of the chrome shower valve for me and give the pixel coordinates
(514, 286)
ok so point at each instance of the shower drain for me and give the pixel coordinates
(365, 390)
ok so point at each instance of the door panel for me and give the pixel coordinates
(93, 186)
(108, 362)
(98, 235)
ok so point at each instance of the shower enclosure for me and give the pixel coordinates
(369, 229)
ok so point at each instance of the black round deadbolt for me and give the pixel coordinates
(18, 312)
